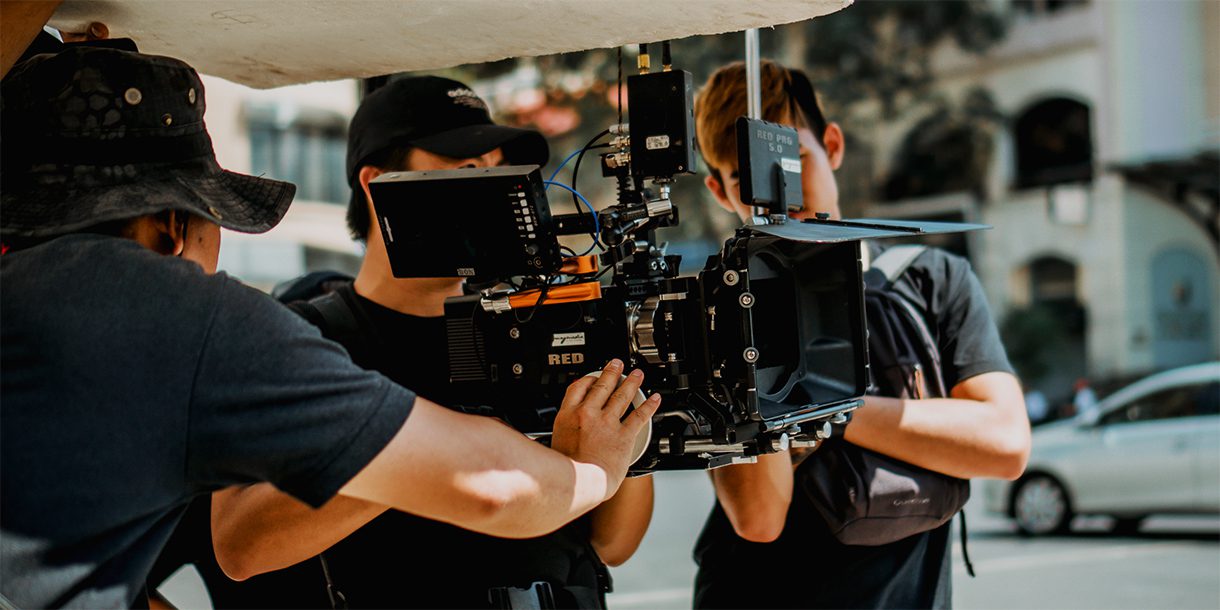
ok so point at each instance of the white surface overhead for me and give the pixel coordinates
(268, 43)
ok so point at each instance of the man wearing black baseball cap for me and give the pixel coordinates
(133, 378)
(396, 326)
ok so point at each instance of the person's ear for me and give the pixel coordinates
(169, 232)
(366, 175)
(833, 143)
(713, 184)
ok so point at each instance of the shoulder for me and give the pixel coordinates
(310, 285)
(101, 274)
(942, 279)
(940, 266)
(252, 306)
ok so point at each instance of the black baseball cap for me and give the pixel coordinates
(439, 115)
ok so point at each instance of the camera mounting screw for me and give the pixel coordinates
(518, 369)
(514, 333)
(825, 432)
(781, 442)
(746, 299)
(731, 278)
(805, 443)
(750, 355)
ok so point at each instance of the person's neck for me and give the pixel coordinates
(417, 297)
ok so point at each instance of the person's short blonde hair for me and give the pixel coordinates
(723, 99)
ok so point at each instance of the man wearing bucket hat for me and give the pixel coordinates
(416, 123)
(134, 378)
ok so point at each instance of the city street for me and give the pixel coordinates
(1173, 563)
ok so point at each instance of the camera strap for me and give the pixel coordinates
(338, 601)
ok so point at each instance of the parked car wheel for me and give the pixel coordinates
(1127, 525)
(1040, 506)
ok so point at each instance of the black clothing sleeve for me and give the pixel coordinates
(975, 348)
(274, 401)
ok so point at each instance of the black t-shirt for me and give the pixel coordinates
(400, 560)
(806, 567)
(133, 382)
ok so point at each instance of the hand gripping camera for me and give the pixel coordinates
(758, 352)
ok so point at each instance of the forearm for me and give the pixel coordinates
(257, 528)
(536, 492)
(478, 474)
(619, 524)
(981, 432)
(755, 497)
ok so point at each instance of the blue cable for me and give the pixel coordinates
(597, 229)
(565, 162)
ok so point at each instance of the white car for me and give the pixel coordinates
(1152, 447)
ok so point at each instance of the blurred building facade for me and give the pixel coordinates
(1094, 156)
(298, 134)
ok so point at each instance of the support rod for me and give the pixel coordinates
(753, 68)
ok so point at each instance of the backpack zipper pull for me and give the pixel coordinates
(920, 388)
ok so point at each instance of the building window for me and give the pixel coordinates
(306, 148)
(1045, 339)
(938, 156)
(1043, 7)
(1052, 280)
(1054, 144)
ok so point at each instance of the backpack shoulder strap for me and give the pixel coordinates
(913, 331)
(897, 259)
(333, 315)
(336, 311)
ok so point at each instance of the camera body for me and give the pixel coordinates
(760, 350)
(737, 363)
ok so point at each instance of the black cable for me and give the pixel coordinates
(604, 270)
(576, 172)
(576, 166)
(534, 308)
(620, 84)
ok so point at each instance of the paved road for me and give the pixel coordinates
(1173, 563)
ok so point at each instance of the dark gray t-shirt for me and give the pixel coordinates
(132, 382)
(815, 569)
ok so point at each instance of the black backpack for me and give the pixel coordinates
(864, 497)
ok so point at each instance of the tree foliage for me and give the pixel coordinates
(879, 49)
(872, 50)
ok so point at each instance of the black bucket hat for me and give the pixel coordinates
(92, 135)
(439, 115)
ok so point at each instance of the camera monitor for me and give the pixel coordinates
(769, 165)
(482, 223)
